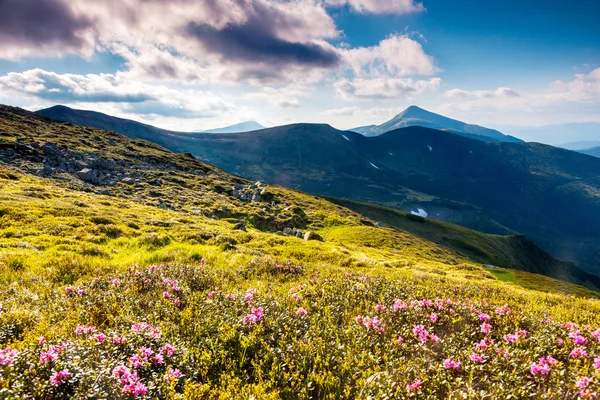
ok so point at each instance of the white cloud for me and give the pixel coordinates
(132, 97)
(384, 88)
(500, 92)
(380, 6)
(395, 56)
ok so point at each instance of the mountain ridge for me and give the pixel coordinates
(247, 126)
(416, 116)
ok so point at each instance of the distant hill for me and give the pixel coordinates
(415, 116)
(551, 195)
(247, 126)
(583, 145)
(557, 134)
(594, 151)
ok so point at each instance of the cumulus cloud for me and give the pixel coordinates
(380, 6)
(134, 97)
(284, 97)
(383, 88)
(43, 27)
(397, 55)
(500, 92)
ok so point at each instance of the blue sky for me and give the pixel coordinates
(188, 65)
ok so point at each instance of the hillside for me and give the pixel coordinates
(594, 151)
(131, 271)
(415, 116)
(494, 187)
(247, 126)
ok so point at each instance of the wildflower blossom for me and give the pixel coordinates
(7, 356)
(49, 356)
(511, 338)
(116, 282)
(484, 317)
(301, 312)
(578, 352)
(486, 328)
(596, 363)
(58, 377)
(255, 316)
(99, 337)
(168, 350)
(451, 364)
(400, 340)
(583, 382)
(118, 340)
(433, 317)
(476, 358)
(399, 305)
(577, 338)
(379, 307)
(172, 374)
(82, 329)
(414, 386)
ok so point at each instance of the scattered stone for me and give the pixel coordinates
(380, 224)
(312, 236)
(87, 175)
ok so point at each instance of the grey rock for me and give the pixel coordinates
(87, 175)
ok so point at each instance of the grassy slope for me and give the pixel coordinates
(56, 232)
(507, 251)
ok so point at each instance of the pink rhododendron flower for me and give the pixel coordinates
(82, 329)
(511, 338)
(7, 356)
(58, 377)
(596, 363)
(486, 328)
(414, 386)
(578, 352)
(539, 369)
(451, 364)
(476, 358)
(116, 282)
(166, 295)
(118, 340)
(254, 317)
(400, 340)
(172, 374)
(159, 359)
(301, 312)
(41, 340)
(583, 382)
(136, 389)
(99, 337)
(484, 317)
(49, 356)
(359, 319)
(168, 350)
(588, 394)
(399, 305)
(211, 294)
(379, 307)
(433, 317)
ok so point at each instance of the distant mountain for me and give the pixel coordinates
(415, 116)
(556, 135)
(582, 145)
(594, 151)
(133, 129)
(247, 126)
(551, 195)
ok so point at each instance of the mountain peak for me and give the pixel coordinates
(417, 116)
(246, 126)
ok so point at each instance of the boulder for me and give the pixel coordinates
(87, 175)
(312, 236)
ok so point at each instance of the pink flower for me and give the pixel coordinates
(136, 389)
(451, 364)
(578, 352)
(172, 374)
(203, 261)
(511, 338)
(7, 356)
(596, 363)
(159, 359)
(301, 312)
(414, 386)
(521, 332)
(41, 340)
(57, 378)
(583, 382)
(116, 282)
(146, 351)
(433, 317)
(476, 358)
(99, 337)
(503, 353)
(539, 369)
(254, 317)
(137, 361)
(168, 350)
(211, 294)
(359, 319)
(166, 295)
(118, 340)
(548, 360)
(399, 305)
(484, 317)
(486, 328)
(379, 308)
(399, 340)
(596, 334)
(587, 394)
(49, 356)
(484, 344)
(248, 297)
(577, 338)
(82, 329)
